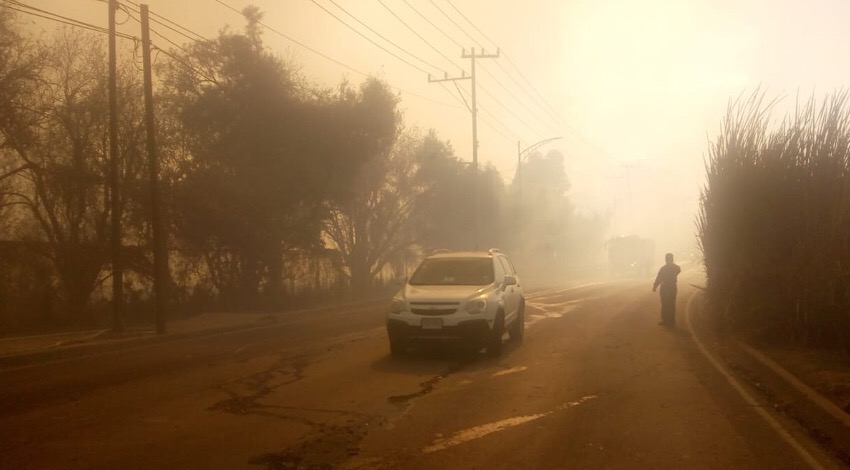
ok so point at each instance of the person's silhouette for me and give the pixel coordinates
(666, 278)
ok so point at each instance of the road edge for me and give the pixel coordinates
(824, 422)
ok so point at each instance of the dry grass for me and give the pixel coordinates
(774, 224)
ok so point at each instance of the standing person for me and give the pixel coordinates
(666, 278)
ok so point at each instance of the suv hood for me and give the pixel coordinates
(438, 293)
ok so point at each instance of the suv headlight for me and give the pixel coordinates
(398, 305)
(476, 306)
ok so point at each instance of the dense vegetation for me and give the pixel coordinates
(775, 222)
(278, 191)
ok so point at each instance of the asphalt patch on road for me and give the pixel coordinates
(329, 447)
(427, 386)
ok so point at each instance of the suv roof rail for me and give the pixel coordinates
(494, 250)
(440, 251)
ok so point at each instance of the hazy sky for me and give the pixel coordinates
(634, 88)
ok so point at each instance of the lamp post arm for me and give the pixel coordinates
(531, 148)
(522, 154)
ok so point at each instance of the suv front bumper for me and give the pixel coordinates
(475, 331)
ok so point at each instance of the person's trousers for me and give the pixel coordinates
(668, 305)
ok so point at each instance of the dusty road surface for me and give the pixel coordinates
(595, 384)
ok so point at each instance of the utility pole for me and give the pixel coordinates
(161, 279)
(474, 110)
(472, 56)
(114, 175)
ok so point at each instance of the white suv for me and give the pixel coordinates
(468, 296)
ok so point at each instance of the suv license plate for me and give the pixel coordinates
(432, 323)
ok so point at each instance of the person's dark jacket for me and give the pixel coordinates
(667, 276)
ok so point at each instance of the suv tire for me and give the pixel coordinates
(517, 330)
(494, 342)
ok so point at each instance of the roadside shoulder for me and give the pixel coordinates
(809, 387)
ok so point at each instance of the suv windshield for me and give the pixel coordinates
(454, 272)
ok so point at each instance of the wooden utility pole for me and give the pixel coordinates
(161, 279)
(474, 110)
(114, 176)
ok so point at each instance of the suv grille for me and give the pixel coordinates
(434, 308)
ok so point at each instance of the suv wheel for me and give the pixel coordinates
(517, 330)
(494, 342)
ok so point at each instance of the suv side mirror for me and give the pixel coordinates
(509, 281)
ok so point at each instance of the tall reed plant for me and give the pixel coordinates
(774, 221)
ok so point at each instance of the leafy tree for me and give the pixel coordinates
(544, 207)
(264, 156)
(235, 203)
(549, 238)
(370, 228)
(492, 195)
(443, 205)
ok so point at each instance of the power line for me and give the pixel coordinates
(173, 44)
(83, 25)
(172, 56)
(493, 127)
(523, 88)
(527, 81)
(428, 20)
(473, 25)
(428, 64)
(172, 23)
(80, 24)
(473, 107)
(37, 12)
(460, 97)
(417, 33)
(506, 108)
(331, 59)
(182, 62)
(531, 112)
(161, 23)
(457, 87)
(456, 25)
(545, 104)
(493, 116)
(369, 39)
(543, 100)
(463, 30)
(347, 67)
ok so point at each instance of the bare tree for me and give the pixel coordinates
(61, 140)
(21, 62)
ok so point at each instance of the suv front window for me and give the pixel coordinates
(454, 272)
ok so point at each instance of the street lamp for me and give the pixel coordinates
(522, 154)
